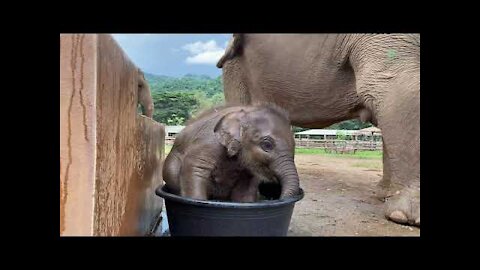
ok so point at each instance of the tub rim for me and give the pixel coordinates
(161, 192)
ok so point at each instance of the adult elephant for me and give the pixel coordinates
(321, 79)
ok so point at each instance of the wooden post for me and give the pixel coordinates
(110, 156)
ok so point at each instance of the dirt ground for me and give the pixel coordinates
(340, 200)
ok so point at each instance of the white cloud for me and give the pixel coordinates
(205, 58)
(203, 52)
(199, 47)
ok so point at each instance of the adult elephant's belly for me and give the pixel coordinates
(314, 101)
(304, 78)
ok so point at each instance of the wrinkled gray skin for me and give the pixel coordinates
(321, 79)
(227, 152)
(144, 95)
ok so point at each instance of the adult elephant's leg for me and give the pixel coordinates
(387, 72)
(399, 119)
(384, 183)
(235, 84)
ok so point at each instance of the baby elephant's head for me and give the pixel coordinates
(262, 139)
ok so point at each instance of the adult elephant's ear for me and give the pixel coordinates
(228, 131)
(233, 49)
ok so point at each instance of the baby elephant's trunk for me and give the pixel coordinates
(286, 172)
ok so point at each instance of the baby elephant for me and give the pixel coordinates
(227, 152)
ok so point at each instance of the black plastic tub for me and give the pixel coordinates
(189, 217)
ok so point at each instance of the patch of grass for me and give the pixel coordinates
(377, 154)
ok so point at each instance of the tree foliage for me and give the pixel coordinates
(187, 83)
(353, 124)
(173, 108)
(176, 100)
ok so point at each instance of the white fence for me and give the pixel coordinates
(328, 145)
(339, 145)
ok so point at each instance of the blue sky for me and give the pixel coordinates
(175, 54)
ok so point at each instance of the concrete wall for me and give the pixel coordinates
(110, 157)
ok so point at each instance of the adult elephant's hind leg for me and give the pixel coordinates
(384, 183)
(399, 120)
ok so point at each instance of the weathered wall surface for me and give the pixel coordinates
(77, 133)
(143, 207)
(110, 156)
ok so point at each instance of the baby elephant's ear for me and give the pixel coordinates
(228, 132)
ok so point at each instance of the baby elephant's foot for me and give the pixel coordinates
(404, 206)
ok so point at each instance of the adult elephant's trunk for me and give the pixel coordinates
(285, 170)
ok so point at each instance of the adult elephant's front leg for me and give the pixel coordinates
(235, 84)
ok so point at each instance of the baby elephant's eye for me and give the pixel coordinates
(266, 145)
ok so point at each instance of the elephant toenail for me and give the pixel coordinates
(417, 221)
(398, 216)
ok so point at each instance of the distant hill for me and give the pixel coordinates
(149, 76)
(188, 83)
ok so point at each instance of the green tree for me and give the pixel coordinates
(296, 129)
(186, 83)
(203, 102)
(353, 124)
(174, 120)
(218, 99)
(174, 108)
(176, 100)
(341, 135)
